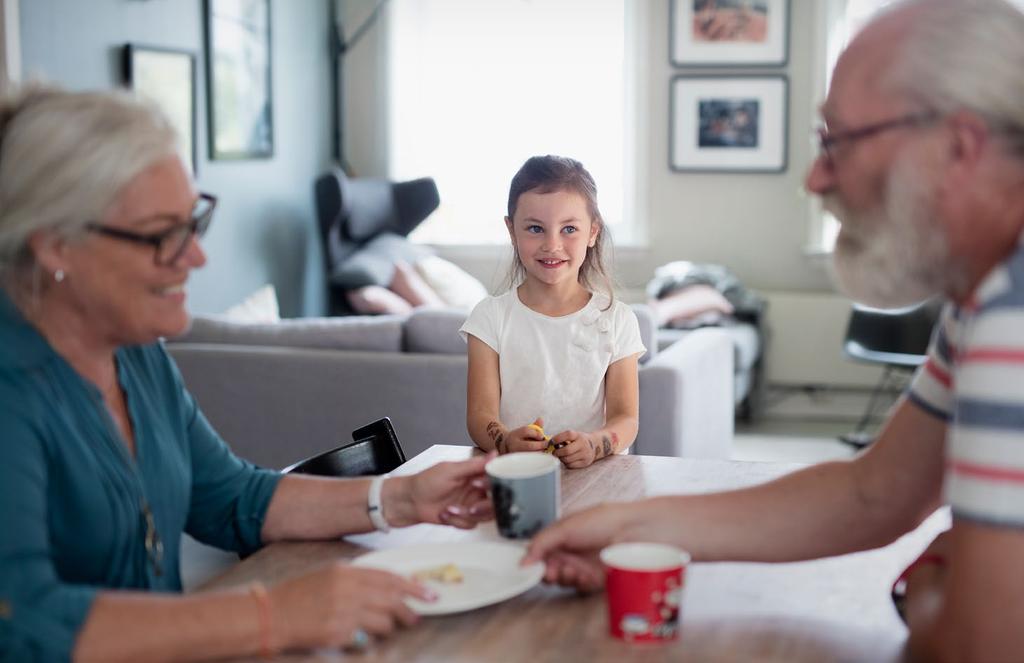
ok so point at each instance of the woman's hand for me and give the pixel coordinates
(446, 494)
(329, 606)
(577, 449)
(525, 438)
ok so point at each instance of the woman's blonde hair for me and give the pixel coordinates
(64, 156)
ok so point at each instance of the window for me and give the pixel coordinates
(842, 20)
(478, 87)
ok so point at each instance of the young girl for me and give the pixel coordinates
(551, 352)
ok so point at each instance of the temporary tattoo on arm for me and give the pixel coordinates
(494, 431)
(607, 444)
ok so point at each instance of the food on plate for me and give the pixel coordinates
(446, 574)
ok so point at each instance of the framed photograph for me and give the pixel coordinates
(167, 77)
(725, 33)
(735, 124)
(238, 79)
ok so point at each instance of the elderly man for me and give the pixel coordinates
(923, 163)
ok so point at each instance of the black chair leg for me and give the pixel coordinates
(860, 437)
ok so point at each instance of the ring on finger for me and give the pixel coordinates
(360, 639)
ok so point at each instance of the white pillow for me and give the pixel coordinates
(260, 306)
(455, 287)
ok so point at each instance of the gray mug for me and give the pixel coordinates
(527, 492)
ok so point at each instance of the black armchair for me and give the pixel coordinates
(895, 339)
(353, 213)
(375, 450)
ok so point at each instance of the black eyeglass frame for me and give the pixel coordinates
(196, 226)
(827, 141)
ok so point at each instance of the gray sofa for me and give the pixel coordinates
(283, 391)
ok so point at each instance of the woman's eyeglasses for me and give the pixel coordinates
(169, 244)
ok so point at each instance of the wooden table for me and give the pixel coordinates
(835, 609)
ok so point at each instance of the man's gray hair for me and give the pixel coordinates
(64, 156)
(966, 54)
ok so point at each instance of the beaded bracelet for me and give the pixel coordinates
(259, 592)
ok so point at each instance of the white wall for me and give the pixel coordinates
(10, 45)
(264, 230)
(756, 225)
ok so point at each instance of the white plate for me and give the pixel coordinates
(490, 570)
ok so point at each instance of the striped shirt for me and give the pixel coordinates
(974, 379)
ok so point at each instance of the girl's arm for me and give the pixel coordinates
(622, 419)
(622, 407)
(483, 395)
(483, 403)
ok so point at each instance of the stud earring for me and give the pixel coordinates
(58, 275)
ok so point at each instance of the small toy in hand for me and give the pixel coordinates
(547, 438)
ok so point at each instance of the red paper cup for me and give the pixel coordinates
(645, 588)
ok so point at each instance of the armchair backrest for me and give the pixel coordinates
(897, 337)
(353, 211)
(375, 450)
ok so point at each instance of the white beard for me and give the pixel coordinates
(896, 254)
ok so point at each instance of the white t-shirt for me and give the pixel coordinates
(554, 367)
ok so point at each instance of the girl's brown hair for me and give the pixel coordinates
(548, 174)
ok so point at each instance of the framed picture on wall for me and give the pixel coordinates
(167, 77)
(239, 98)
(712, 33)
(735, 124)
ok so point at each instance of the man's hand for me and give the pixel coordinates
(570, 547)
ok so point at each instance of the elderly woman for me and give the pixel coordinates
(106, 458)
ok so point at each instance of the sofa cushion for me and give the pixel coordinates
(260, 306)
(374, 262)
(456, 287)
(370, 333)
(434, 330)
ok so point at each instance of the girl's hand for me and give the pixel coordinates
(526, 438)
(326, 608)
(576, 449)
(445, 494)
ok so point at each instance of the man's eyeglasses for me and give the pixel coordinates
(829, 141)
(170, 244)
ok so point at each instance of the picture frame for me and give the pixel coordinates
(732, 124)
(729, 33)
(238, 79)
(167, 77)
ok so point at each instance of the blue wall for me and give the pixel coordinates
(265, 227)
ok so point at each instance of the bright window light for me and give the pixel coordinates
(478, 87)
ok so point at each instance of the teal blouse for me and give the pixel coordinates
(72, 498)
